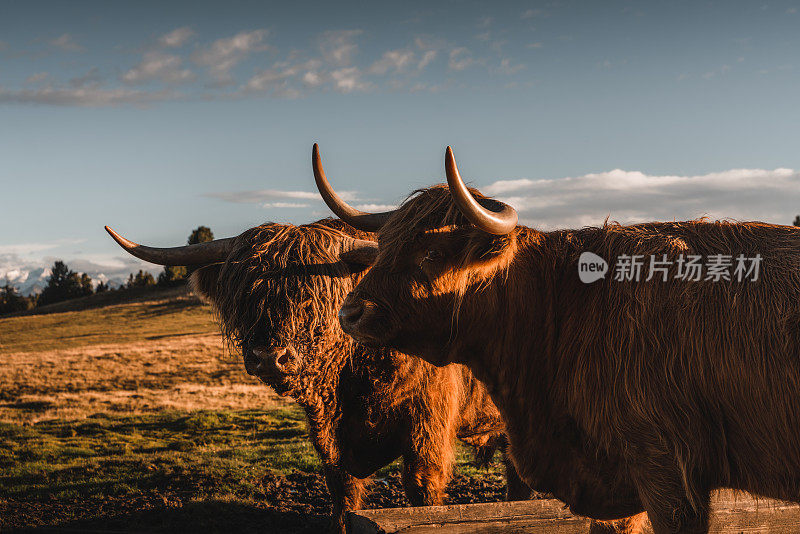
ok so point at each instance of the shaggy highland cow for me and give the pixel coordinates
(619, 395)
(276, 290)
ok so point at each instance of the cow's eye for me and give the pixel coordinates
(433, 255)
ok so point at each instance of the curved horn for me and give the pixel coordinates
(201, 253)
(362, 220)
(360, 251)
(494, 222)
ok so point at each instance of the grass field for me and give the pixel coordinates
(130, 416)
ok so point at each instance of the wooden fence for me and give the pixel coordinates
(732, 513)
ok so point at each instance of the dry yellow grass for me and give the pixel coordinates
(168, 356)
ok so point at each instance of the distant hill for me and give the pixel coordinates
(111, 298)
(113, 317)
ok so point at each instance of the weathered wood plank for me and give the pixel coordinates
(732, 514)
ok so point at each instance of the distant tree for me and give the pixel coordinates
(172, 275)
(142, 279)
(102, 287)
(797, 221)
(11, 301)
(201, 234)
(64, 284)
(87, 288)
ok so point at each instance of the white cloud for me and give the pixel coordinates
(530, 13)
(157, 65)
(426, 60)
(176, 38)
(30, 248)
(264, 196)
(224, 54)
(632, 196)
(394, 60)
(285, 205)
(507, 68)
(338, 47)
(312, 78)
(36, 78)
(92, 77)
(460, 59)
(67, 43)
(348, 80)
(375, 207)
(92, 96)
(277, 79)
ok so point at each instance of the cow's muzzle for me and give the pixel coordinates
(271, 362)
(356, 316)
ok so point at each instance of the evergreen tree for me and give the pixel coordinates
(797, 221)
(11, 301)
(142, 279)
(102, 287)
(173, 275)
(201, 234)
(64, 284)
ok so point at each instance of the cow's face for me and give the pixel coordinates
(429, 259)
(277, 297)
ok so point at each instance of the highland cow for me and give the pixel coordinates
(276, 290)
(618, 395)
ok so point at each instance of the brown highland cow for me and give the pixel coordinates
(619, 395)
(276, 290)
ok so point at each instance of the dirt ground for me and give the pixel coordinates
(297, 502)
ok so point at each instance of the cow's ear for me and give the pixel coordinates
(490, 253)
(361, 256)
(204, 281)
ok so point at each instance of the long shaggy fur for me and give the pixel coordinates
(282, 285)
(618, 396)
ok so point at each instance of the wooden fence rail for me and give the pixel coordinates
(732, 513)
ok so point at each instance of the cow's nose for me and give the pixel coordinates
(350, 313)
(267, 360)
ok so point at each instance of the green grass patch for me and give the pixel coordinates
(212, 455)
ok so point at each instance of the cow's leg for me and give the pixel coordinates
(426, 470)
(516, 489)
(666, 500)
(628, 525)
(346, 492)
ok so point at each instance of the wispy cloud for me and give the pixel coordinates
(156, 65)
(507, 67)
(348, 79)
(37, 78)
(263, 196)
(393, 60)
(176, 38)
(92, 96)
(338, 48)
(460, 59)
(67, 43)
(632, 196)
(224, 54)
(29, 248)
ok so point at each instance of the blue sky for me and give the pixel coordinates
(158, 117)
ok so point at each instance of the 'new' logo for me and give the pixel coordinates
(591, 267)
